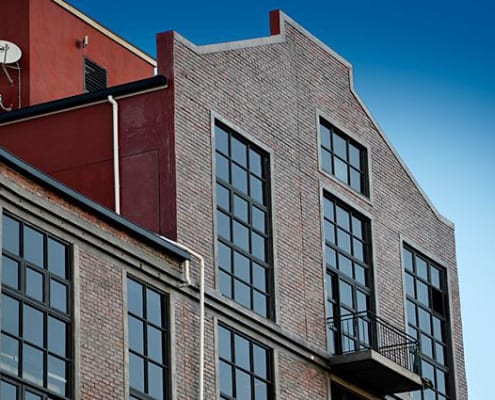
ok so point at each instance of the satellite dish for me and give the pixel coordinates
(9, 52)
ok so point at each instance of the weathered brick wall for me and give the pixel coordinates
(272, 92)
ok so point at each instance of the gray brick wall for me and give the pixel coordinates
(272, 92)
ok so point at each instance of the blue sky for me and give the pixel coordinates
(425, 70)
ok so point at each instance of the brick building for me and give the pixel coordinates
(328, 274)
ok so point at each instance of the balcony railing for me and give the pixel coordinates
(366, 331)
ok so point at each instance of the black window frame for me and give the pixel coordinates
(235, 365)
(344, 269)
(257, 222)
(95, 77)
(42, 306)
(428, 282)
(165, 340)
(329, 157)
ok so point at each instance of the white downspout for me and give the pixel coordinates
(116, 163)
(188, 282)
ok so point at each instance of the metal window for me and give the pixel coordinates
(339, 393)
(245, 367)
(36, 358)
(344, 158)
(348, 273)
(427, 317)
(95, 77)
(244, 238)
(147, 319)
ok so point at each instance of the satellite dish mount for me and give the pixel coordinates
(10, 54)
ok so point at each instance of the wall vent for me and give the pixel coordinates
(95, 77)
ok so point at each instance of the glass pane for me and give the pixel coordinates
(10, 315)
(358, 249)
(57, 378)
(354, 156)
(408, 260)
(155, 339)
(421, 268)
(153, 307)
(362, 301)
(329, 231)
(222, 168)
(329, 285)
(326, 161)
(224, 260)
(410, 286)
(255, 163)
(259, 303)
(343, 240)
(258, 246)
(33, 246)
(10, 235)
(32, 364)
(241, 236)
(426, 346)
(345, 265)
(242, 293)
(441, 382)
(57, 258)
(339, 146)
(357, 228)
(155, 381)
(223, 225)
(9, 360)
(343, 218)
(9, 391)
(259, 277)
(10, 272)
(221, 140)
(224, 343)
(260, 390)
(325, 136)
(440, 354)
(256, 190)
(437, 328)
(223, 197)
(345, 294)
(427, 371)
(225, 379)
(136, 372)
(57, 336)
(241, 208)
(355, 180)
(411, 313)
(32, 396)
(241, 267)
(58, 295)
(360, 274)
(34, 284)
(239, 178)
(243, 386)
(341, 170)
(135, 297)
(424, 320)
(225, 284)
(422, 293)
(242, 352)
(33, 326)
(260, 360)
(328, 209)
(239, 152)
(435, 277)
(258, 219)
(136, 334)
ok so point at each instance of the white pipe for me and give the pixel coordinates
(188, 281)
(116, 163)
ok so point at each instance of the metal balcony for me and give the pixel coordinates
(374, 355)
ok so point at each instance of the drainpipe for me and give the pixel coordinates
(188, 282)
(116, 163)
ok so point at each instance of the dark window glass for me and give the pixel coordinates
(243, 221)
(427, 318)
(339, 393)
(348, 274)
(344, 158)
(147, 323)
(36, 355)
(245, 367)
